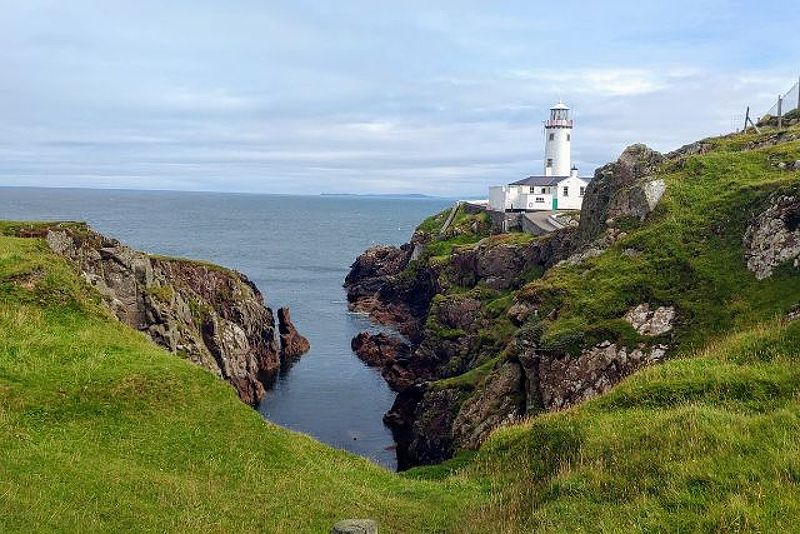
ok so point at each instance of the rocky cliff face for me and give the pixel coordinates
(625, 188)
(213, 316)
(472, 356)
(773, 237)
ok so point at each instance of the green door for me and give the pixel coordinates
(555, 203)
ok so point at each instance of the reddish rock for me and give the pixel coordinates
(212, 316)
(389, 353)
(293, 345)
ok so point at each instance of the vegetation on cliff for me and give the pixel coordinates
(553, 320)
(102, 430)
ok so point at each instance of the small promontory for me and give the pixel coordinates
(211, 315)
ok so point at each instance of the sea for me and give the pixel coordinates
(297, 250)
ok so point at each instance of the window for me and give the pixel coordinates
(539, 200)
(569, 136)
(582, 191)
(566, 191)
(549, 162)
(544, 190)
(552, 136)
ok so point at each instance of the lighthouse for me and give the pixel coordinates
(559, 188)
(558, 138)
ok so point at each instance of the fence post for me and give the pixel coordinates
(780, 111)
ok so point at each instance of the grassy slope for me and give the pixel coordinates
(100, 429)
(707, 441)
(689, 255)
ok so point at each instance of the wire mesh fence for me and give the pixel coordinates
(786, 102)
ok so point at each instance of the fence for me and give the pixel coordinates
(786, 102)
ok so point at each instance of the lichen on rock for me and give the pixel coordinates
(773, 237)
(566, 380)
(648, 322)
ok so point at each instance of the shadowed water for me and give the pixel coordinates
(297, 250)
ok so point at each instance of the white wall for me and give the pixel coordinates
(559, 149)
(536, 201)
(521, 197)
(572, 201)
(497, 198)
(505, 197)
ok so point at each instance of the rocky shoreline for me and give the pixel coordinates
(213, 316)
(461, 367)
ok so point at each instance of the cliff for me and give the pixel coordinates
(498, 328)
(210, 315)
(114, 432)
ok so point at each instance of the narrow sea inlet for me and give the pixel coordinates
(297, 250)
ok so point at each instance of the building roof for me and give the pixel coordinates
(560, 105)
(542, 181)
(546, 181)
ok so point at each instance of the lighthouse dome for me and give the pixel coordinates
(560, 105)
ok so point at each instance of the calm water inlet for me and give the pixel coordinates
(297, 250)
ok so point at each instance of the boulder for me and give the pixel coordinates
(625, 188)
(649, 322)
(355, 526)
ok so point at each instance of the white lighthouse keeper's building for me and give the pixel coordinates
(560, 187)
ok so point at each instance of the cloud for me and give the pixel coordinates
(298, 97)
(606, 82)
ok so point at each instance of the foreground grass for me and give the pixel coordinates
(101, 430)
(703, 444)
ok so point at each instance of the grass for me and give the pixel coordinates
(102, 430)
(690, 254)
(708, 443)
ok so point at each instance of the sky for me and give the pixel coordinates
(305, 97)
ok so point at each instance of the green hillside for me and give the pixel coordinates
(101, 430)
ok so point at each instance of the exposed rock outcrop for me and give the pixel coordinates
(649, 322)
(293, 345)
(502, 266)
(388, 353)
(499, 401)
(380, 285)
(448, 306)
(428, 438)
(564, 381)
(213, 316)
(773, 237)
(625, 188)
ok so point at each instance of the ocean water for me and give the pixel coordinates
(297, 250)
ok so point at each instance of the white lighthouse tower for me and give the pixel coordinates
(558, 140)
